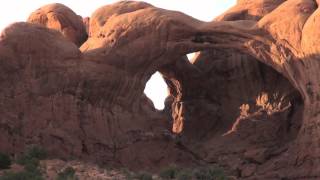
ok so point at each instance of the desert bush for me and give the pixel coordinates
(143, 176)
(5, 161)
(30, 161)
(206, 173)
(184, 175)
(24, 175)
(31, 172)
(32, 165)
(127, 173)
(67, 174)
(32, 155)
(169, 172)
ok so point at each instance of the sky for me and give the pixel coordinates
(156, 89)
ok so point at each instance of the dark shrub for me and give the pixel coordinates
(33, 154)
(32, 165)
(30, 161)
(33, 174)
(184, 175)
(24, 175)
(127, 173)
(144, 176)
(206, 173)
(169, 172)
(5, 161)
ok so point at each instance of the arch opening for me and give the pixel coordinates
(157, 90)
(192, 56)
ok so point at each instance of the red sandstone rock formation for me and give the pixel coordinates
(63, 19)
(249, 101)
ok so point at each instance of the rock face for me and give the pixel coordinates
(249, 101)
(250, 10)
(63, 19)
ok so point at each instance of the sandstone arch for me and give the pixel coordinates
(89, 103)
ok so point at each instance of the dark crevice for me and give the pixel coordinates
(84, 148)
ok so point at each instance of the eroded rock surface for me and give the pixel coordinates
(249, 101)
(61, 18)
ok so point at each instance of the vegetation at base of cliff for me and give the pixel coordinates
(184, 175)
(5, 161)
(177, 173)
(205, 173)
(24, 175)
(143, 176)
(170, 172)
(31, 161)
(29, 173)
(33, 154)
(202, 173)
(67, 174)
(129, 175)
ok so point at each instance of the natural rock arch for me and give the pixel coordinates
(90, 103)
